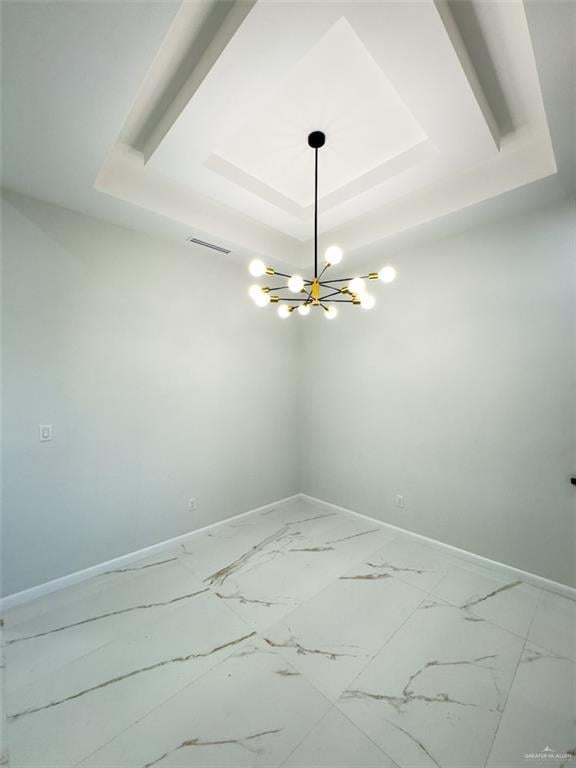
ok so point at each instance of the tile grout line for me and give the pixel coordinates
(208, 671)
(427, 594)
(303, 739)
(433, 595)
(179, 565)
(314, 594)
(364, 670)
(245, 642)
(385, 643)
(334, 704)
(20, 598)
(540, 582)
(137, 629)
(36, 592)
(167, 609)
(497, 729)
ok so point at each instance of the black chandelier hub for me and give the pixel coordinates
(316, 139)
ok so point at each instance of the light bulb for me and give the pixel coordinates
(331, 312)
(367, 301)
(333, 255)
(295, 283)
(283, 311)
(262, 300)
(304, 309)
(257, 268)
(387, 274)
(254, 291)
(357, 285)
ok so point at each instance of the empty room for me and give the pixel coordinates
(244, 525)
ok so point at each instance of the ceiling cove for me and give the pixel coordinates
(422, 121)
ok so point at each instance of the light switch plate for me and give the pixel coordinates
(45, 432)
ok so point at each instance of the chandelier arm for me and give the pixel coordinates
(283, 288)
(332, 287)
(329, 295)
(370, 276)
(281, 274)
(338, 301)
(338, 280)
(288, 298)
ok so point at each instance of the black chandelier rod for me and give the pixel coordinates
(291, 300)
(346, 279)
(333, 287)
(316, 212)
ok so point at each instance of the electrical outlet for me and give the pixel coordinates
(192, 505)
(399, 500)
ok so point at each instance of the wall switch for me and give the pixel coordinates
(399, 500)
(192, 505)
(45, 432)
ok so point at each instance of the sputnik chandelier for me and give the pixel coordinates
(318, 292)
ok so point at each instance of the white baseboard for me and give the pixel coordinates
(26, 595)
(530, 578)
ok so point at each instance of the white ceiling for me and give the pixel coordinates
(337, 86)
(191, 120)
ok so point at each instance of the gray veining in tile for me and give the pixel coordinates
(434, 694)
(242, 713)
(540, 714)
(300, 636)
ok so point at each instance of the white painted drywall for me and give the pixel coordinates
(162, 382)
(458, 391)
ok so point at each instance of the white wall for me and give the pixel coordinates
(161, 379)
(457, 391)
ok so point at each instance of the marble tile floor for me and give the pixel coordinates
(298, 637)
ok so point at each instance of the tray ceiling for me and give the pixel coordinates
(419, 123)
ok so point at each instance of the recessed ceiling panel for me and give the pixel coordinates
(339, 87)
(413, 116)
(382, 80)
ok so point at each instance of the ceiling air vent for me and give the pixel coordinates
(219, 248)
